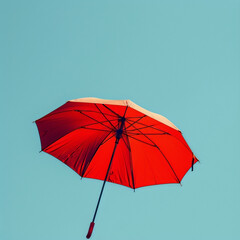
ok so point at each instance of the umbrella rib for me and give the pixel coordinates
(162, 154)
(125, 111)
(150, 126)
(124, 130)
(93, 119)
(139, 140)
(130, 152)
(47, 148)
(186, 146)
(158, 134)
(134, 117)
(96, 123)
(105, 140)
(141, 127)
(104, 116)
(98, 112)
(87, 165)
(131, 162)
(95, 129)
(131, 124)
(83, 127)
(111, 110)
(126, 144)
(169, 164)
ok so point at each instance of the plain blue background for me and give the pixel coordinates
(179, 58)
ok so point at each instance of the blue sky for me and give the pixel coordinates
(177, 58)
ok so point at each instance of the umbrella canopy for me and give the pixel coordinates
(148, 149)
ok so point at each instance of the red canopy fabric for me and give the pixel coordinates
(82, 134)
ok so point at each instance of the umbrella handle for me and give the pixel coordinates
(90, 230)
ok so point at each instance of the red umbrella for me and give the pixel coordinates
(116, 141)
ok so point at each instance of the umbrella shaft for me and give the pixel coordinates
(105, 179)
(118, 136)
